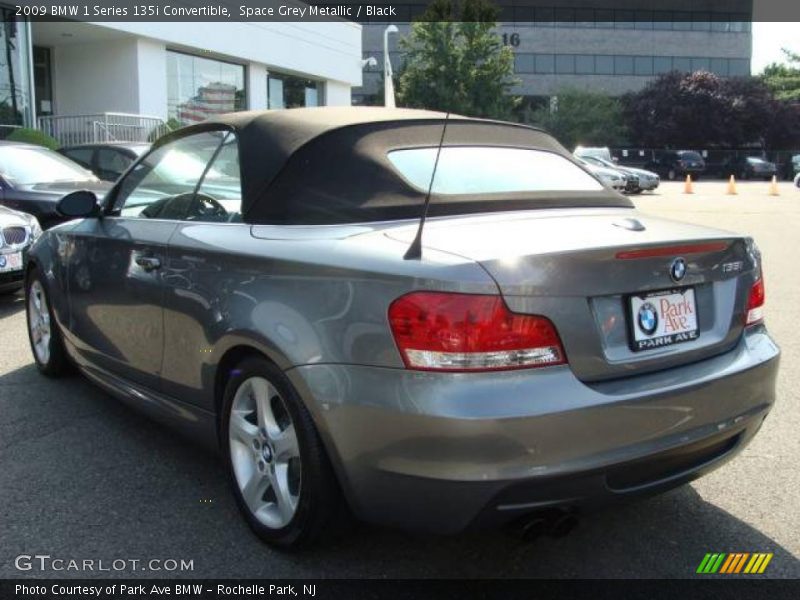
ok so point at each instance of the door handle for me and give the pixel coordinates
(148, 263)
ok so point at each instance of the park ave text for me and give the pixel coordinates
(167, 589)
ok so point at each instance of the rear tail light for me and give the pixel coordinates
(755, 303)
(467, 332)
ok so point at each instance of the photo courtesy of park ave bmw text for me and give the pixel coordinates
(350, 299)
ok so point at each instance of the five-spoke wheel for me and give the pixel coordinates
(280, 473)
(264, 452)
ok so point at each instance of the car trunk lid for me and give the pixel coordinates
(580, 268)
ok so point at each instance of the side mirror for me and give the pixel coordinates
(80, 204)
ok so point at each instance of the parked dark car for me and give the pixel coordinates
(18, 231)
(108, 160)
(750, 167)
(676, 164)
(261, 281)
(33, 179)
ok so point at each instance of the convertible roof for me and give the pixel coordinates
(330, 165)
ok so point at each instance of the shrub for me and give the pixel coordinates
(33, 136)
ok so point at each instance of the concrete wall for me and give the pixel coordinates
(329, 51)
(96, 77)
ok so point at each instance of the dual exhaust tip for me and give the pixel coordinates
(554, 523)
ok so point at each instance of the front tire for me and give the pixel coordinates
(280, 474)
(44, 335)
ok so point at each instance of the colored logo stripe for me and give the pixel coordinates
(720, 562)
(711, 563)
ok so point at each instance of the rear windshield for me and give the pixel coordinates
(491, 170)
(690, 155)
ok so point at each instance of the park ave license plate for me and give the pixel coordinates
(10, 262)
(662, 319)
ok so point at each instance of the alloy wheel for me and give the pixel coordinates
(39, 322)
(264, 452)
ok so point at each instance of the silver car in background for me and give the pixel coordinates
(646, 181)
(611, 178)
(18, 231)
(526, 344)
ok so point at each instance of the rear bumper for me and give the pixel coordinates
(440, 452)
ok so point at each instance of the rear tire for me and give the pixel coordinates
(44, 335)
(279, 471)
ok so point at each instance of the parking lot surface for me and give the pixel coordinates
(83, 477)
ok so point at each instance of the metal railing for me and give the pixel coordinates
(70, 130)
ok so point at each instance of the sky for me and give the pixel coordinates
(769, 38)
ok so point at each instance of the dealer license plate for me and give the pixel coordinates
(10, 262)
(662, 318)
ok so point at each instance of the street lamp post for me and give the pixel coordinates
(388, 83)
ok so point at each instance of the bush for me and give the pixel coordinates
(33, 136)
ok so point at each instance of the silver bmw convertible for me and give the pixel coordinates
(433, 321)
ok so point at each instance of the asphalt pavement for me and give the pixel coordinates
(82, 477)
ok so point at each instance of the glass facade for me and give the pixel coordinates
(620, 64)
(16, 106)
(288, 91)
(199, 88)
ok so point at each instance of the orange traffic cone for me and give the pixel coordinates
(731, 186)
(688, 187)
(773, 186)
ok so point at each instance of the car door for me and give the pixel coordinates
(115, 277)
(205, 263)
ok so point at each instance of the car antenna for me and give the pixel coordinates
(415, 249)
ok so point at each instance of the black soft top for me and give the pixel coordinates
(329, 165)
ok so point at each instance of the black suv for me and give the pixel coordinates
(676, 164)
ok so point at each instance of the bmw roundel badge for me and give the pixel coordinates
(2, 261)
(647, 318)
(677, 270)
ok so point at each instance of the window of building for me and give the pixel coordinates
(544, 17)
(584, 64)
(624, 19)
(565, 63)
(604, 65)
(623, 65)
(682, 64)
(43, 80)
(662, 64)
(545, 63)
(643, 65)
(288, 91)
(701, 64)
(199, 88)
(738, 67)
(719, 66)
(15, 71)
(523, 63)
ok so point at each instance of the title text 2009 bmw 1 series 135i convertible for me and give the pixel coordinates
(257, 281)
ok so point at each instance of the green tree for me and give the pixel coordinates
(455, 61)
(784, 79)
(577, 117)
(700, 109)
